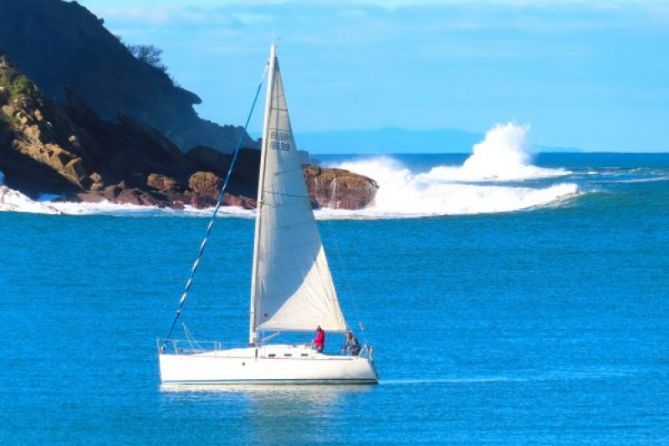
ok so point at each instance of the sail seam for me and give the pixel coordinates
(310, 242)
(296, 224)
(287, 195)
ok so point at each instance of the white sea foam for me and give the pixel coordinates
(408, 195)
(11, 200)
(472, 188)
(131, 210)
(14, 201)
(645, 180)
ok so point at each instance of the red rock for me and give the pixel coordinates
(206, 184)
(163, 182)
(339, 188)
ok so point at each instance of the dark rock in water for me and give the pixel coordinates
(85, 197)
(206, 184)
(244, 180)
(236, 200)
(339, 188)
(205, 188)
(164, 183)
(137, 197)
(122, 194)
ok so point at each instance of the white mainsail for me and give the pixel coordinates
(292, 287)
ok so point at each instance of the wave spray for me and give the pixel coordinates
(479, 185)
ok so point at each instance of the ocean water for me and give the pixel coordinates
(508, 306)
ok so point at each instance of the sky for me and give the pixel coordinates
(591, 75)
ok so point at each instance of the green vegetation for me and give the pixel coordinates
(16, 84)
(149, 54)
(13, 85)
(9, 119)
(21, 86)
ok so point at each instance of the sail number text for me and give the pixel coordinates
(280, 140)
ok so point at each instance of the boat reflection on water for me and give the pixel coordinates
(271, 414)
(314, 394)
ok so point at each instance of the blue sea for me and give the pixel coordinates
(527, 310)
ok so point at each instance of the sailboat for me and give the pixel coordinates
(291, 285)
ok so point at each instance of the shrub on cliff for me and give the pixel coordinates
(149, 54)
(13, 82)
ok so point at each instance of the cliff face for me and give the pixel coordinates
(80, 115)
(61, 45)
(70, 150)
(47, 148)
(40, 147)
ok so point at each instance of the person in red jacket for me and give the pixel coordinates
(319, 340)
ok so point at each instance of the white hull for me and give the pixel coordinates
(272, 364)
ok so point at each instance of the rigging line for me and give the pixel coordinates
(219, 199)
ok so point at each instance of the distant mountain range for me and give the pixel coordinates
(397, 140)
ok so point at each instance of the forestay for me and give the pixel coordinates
(292, 288)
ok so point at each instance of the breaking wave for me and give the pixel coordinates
(11, 200)
(502, 156)
(403, 193)
(497, 177)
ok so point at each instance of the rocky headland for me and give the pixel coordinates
(61, 44)
(83, 117)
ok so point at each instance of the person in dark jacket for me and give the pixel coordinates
(351, 345)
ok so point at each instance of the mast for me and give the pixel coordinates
(253, 336)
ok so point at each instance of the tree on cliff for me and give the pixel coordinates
(149, 54)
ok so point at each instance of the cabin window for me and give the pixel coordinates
(288, 355)
(272, 355)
